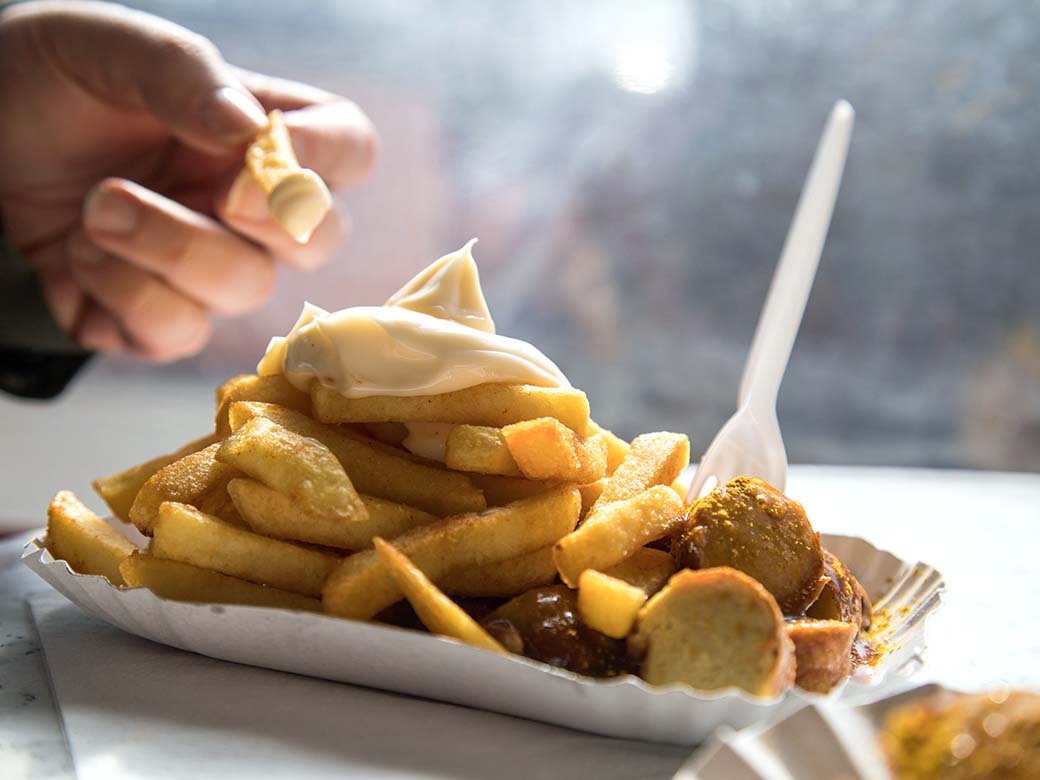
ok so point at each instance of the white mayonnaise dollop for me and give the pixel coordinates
(434, 335)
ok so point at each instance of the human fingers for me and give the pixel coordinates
(330, 133)
(245, 210)
(99, 331)
(333, 138)
(193, 254)
(133, 60)
(159, 322)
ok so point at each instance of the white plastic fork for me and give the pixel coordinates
(750, 442)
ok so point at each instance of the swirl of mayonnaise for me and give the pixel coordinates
(434, 335)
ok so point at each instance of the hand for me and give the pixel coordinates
(121, 136)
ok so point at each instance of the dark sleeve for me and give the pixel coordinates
(37, 358)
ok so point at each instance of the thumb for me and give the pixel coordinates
(135, 60)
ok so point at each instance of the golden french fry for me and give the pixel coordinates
(590, 493)
(83, 540)
(437, 612)
(198, 479)
(361, 586)
(681, 484)
(615, 531)
(273, 389)
(547, 449)
(481, 449)
(376, 470)
(297, 197)
(179, 581)
(647, 569)
(617, 448)
(492, 404)
(298, 466)
(504, 579)
(653, 459)
(499, 490)
(275, 514)
(183, 533)
(120, 490)
(608, 605)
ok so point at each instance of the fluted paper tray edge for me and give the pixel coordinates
(420, 664)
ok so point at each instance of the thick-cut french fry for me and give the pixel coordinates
(481, 449)
(681, 484)
(608, 605)
(273, 389)
(198, 479)
(613, 532)
(83, 540)
(181, 581)
(298, 466)
(275, 514)
(499, 490)
(547, 449)
(297, 197)
(361, 587)
(590, 493)
(653, 459)
(647, 569)
(492, 404)
(120, 490)
(437, 612)
(504, 579)
(617, 448)
(183, 533)
(374, 470)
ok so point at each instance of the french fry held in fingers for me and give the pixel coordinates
(503, 579)
(275, 514)
(83, 540)
(272, 389)
(297, 197)
(608, 605)
(297, 466)
(437, 612)
(495, 405)
(361, 587)
(373, 470)
(183, 533)
(120, 490)
(198, 479)
(652, 459)
(179, 581)
(615, 531)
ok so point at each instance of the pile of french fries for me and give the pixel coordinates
(308, 501)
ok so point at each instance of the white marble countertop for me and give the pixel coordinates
(979, 529)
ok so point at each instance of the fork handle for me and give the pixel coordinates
(793, 279)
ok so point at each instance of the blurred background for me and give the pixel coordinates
(630, 170)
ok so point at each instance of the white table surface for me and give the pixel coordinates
(980, 529)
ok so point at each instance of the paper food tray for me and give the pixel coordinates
(823, 741)
(420, 664)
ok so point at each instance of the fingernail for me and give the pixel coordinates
(110, 212)
(233, 115)
(81, 250)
